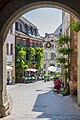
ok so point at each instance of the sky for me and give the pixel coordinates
(47, 20)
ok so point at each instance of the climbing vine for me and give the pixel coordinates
(75, 26)
(64, 50)
(30, 53)
(39, 52)
(25, 57)
(20, 62)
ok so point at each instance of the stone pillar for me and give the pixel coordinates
(73, 61)
(73, 64)
(78, 70)
(4, 103)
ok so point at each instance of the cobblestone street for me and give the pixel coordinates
(37, 101)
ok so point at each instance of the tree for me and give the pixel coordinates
(64, 50)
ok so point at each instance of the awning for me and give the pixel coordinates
(9, 67)
(31, 69)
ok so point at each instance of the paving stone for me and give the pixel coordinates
(37, 101)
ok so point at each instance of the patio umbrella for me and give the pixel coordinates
(52, 68)
(31, 69)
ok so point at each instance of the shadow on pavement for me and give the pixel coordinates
(56, 107)
(43, 104)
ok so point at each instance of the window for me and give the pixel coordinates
(31, 30)
(20, 25)
(17, 40)
(52, 46)
(37, 44)
(53, 55)
(52, 40)
(33, 44)
(7, 47)
(11, 49)
(30, 44)
(60, 30)
(44, 46)
(26, 28)
(45, 55)
(24, 42)
(35, 30)
(16, 26)
(58, 65)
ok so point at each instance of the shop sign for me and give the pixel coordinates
(48, 44)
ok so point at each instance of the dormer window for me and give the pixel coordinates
(31, 29)
(26, 27)
(35, 30)
(52, 40)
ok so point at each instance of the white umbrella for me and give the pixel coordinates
(31, 69)
(52, 68)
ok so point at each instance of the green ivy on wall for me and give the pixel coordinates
(24, 57)
(20, 63)
(30, 53)
(64, 50)
(39, 52)
(75, 26)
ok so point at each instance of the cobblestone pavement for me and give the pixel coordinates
(37, 101)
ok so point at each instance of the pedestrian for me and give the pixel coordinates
(57, 85)
(8, 81)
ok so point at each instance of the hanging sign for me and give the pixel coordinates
(48, 44)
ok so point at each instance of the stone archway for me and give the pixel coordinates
(10, 10)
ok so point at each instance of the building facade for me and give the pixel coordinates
(27, 33)
(66, 20)
(50, 45)
(24, 32)
(10, 58)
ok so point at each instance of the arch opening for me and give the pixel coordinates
(22, 8)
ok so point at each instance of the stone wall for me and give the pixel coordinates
(73, 60)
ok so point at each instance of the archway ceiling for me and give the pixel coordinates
(70, 3)
(10, 10)
(3, 3)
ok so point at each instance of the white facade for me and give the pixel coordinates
(10, 52)
(49, 53)
(65, 23)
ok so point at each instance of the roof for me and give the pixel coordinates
(58, 30)
(23, 19)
